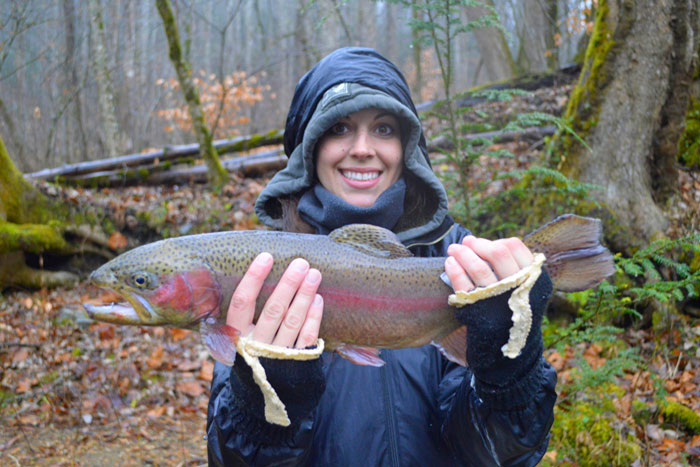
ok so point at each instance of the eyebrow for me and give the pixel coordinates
(384, 114)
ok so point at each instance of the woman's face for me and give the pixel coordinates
(360, 156)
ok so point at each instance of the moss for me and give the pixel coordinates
(33, 238)
(585, 100)
(642, 413)
(683, 416)
(49, 377)
(537, 197)
(689, 143)
(585, 431)
(20, 201)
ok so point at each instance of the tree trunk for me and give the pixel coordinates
(417, 14)
(493, 47)
(534, 28)
(551, 13)
(217, 174)
(72, 84)
(105, 90)
(629, 106)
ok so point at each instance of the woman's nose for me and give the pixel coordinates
(361, 145)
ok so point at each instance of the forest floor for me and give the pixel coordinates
(75, 392)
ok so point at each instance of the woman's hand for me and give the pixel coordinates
(292, 314)
(478, 262)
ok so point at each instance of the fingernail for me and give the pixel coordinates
(300, 264)
(313, 277)
(264, 258)
(318, 300)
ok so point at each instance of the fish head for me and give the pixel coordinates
(161, 286)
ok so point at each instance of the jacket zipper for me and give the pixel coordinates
(389, 413)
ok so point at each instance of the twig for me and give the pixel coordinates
(19, 344)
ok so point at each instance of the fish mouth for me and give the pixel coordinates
(134, 311)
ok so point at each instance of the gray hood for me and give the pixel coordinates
(300, 174)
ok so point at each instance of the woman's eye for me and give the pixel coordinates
(384, 129)
(338, 129)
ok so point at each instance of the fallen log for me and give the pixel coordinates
(168, 153)
(249, 165)
(527, 134)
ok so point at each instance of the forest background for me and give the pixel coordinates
(533, 108)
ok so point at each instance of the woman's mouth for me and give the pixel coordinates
(360, 179)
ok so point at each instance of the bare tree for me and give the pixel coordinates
(105, 89)
(535, 34)
(218, 176)
(72, 83)
(18, 20)
(492, 43)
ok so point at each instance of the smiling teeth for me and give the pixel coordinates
(361, 176)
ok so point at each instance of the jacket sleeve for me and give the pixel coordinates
(502, 429)
(498, 411)
(237, 434)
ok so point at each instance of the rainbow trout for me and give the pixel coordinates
(376, 294)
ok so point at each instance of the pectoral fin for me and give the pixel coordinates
(220, 340)
(454, 346)
(360, 355)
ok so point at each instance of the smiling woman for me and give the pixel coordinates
(360, 156)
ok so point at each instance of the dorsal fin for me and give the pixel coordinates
(371, 240)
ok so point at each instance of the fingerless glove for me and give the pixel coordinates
(488, 328)
(299, 385)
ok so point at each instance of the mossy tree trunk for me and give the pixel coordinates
(689, 146)
(218, 175)
(28, 223)
(629, 106)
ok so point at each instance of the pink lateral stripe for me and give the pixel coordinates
(345, 299)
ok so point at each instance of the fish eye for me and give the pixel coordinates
(141, 280)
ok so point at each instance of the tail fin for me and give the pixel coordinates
(575, 258)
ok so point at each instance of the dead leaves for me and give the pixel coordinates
(65, 376)
(190, 388)
(117, 241)
(677, 372)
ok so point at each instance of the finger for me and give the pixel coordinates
(458, 276)
(477, 268)
(276, 306)
(293, 320)
(241, 309)
(495, 253)
(522, 254)
(312, 325)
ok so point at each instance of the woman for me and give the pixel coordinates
(357, 154)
